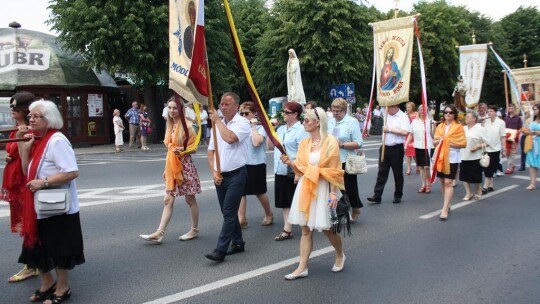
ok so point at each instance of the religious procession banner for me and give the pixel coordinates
(472, 64)
(527, 81)
(393, 43)
(187, 51)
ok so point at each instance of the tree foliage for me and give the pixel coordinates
(331, 39)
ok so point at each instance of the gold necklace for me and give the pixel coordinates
(315, 142)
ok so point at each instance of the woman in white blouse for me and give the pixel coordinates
(422, 135)
(470, 171)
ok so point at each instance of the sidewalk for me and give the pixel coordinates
(110, 148)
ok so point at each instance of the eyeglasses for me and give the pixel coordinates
(448, 112)
(287, 112)
(35, 117)
(245, 113)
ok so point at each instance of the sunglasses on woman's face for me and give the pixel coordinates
(448, 112)
(245, 113)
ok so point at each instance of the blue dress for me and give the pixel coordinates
(533, 156)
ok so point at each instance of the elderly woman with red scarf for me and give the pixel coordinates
(13, 182)
(180, 175)
(449, 139)
(319, 166)
(50, 242)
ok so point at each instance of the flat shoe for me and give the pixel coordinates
(468, 198)
(338, 269)
(268, 221)
(292, 276)
(190, 235)
(18, 277)
(422, 190)
(490, 189)
(531, 187)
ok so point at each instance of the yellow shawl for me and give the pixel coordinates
(455, 136)
(329, 168)
(173, 165)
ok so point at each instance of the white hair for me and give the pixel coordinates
(50, 112)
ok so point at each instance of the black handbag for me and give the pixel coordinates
(342, 215)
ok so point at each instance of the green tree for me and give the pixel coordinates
(132, 36)
(332, 40)
(251, 19)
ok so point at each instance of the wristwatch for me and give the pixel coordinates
(46, 182)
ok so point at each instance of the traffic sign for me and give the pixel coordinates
(345, 91)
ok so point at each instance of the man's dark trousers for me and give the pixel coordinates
(229, 194)
(393, 159)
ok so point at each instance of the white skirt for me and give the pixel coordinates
(319, 213)
(118, 139)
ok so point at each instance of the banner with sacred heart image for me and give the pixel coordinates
(393, 43)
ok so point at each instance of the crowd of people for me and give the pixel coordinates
(309, 177)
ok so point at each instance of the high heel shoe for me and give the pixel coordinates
(155, 239)
(292, 276)
(338, 269)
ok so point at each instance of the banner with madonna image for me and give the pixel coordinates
(472, 65)
(393, 43)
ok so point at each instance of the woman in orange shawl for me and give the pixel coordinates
(449, 139)
(321, 177)
(180, 175)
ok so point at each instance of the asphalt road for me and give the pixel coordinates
(487, 252)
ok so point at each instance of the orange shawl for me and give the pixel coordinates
(455, 136)
(329, 168)
(173, 165)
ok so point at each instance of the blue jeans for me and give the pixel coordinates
(229, 194)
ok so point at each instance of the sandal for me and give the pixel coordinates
(531, 187)
(40, 296)
(422, 190)
(284, 235)
(428, 189)
(59, 299)
(18, 277)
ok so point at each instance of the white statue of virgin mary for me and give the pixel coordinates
(294, 79)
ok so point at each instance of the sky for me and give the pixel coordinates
(32, 14)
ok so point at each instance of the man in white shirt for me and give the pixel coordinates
(396, 130)
(495, 137)
(231, 134)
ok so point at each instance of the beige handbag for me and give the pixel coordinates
(484, 159)
(356, 163)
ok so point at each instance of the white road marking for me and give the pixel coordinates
(465, 203)
(524, 177)
(235, 279)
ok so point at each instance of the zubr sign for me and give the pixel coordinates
(34, 59)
